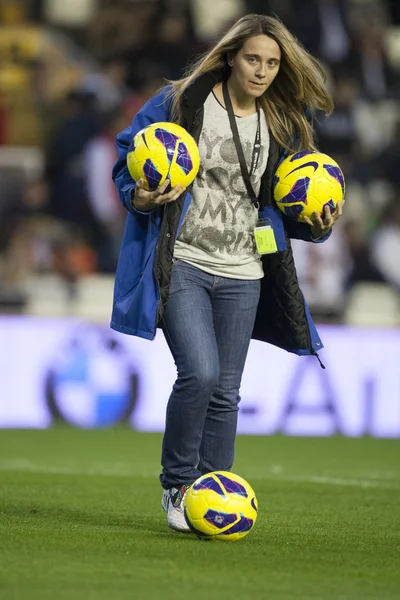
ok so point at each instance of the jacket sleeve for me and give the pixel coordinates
(157, 109)
(302, 231)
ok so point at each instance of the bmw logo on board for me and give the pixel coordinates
(91, 382)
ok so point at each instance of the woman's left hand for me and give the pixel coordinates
(321, 226)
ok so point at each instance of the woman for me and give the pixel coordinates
(188, 260)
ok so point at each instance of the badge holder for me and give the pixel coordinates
(265, 237)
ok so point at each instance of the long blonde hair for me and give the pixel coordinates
(298, 86)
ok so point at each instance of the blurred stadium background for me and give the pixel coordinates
(73, 74)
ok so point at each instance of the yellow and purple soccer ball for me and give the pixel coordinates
(220, 506)
(163, 151)
(306, 182)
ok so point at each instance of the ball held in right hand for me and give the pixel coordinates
(306, 182)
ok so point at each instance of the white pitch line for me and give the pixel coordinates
(334, 481)
(26, 466)
(107, 471)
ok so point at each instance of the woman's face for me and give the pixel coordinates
(256, 65)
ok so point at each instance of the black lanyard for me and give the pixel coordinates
(256, 149)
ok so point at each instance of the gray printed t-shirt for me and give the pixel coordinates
(217, 232)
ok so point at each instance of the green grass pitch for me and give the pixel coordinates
(80, 519)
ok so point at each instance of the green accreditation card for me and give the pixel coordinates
(265, 237)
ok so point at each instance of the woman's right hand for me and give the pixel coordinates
(144, 200)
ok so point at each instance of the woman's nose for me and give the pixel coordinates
(261, 71)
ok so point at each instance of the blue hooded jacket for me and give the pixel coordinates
(145, 261)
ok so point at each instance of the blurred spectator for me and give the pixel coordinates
(99, 158)
(323, 273)
(385, 245)
(80, 121)
(166, 51)
(361, 266)
(369, 62)
(387, 165)
(108, 86)
(120, 27)
(322, 26)
(337, 134)
(73, 256)
(34, 242)
(24, 229)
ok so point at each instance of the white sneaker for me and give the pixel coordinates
(172, 503)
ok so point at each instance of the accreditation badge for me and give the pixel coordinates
(265, 237)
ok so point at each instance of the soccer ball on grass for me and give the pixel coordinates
(220, 506)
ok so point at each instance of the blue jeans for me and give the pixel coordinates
(208, 323)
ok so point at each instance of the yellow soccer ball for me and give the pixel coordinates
(220, 506)
(306, 182)
(163, 151)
